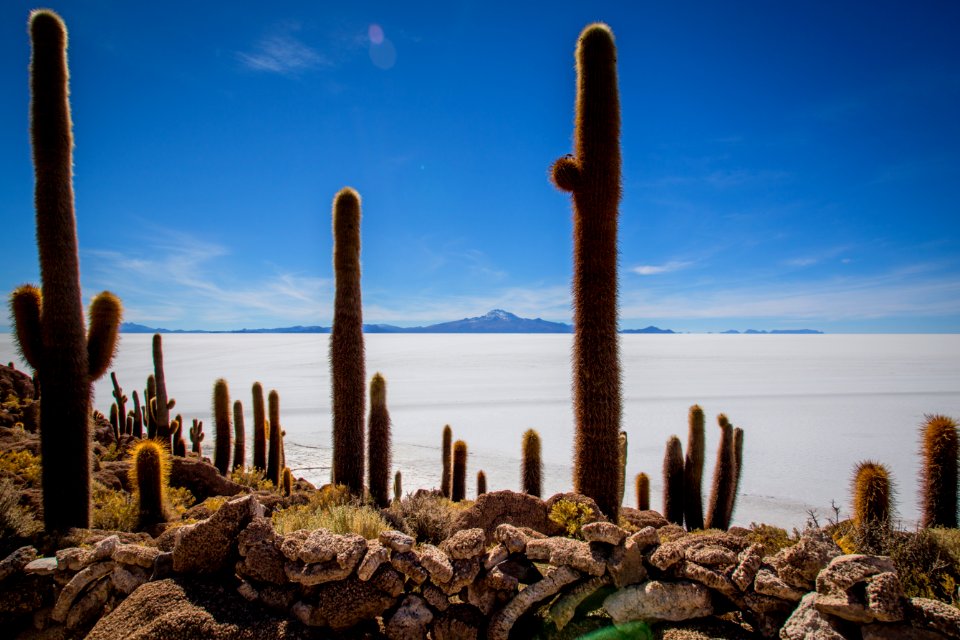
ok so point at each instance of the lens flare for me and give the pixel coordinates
(375, 33)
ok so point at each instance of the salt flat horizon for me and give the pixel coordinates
(811, 406)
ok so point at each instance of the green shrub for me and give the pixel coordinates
(22, 464)
(771, 538)
(113, 510)
(428, 518)
(340, 519)
(571, 516)
(180, 499)
(251, 477)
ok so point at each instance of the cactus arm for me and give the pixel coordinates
(105, 314)
(25, 307)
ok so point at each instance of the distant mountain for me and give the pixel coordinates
(776, 332)
(650, 329)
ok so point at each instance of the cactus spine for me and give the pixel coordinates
(872, 497)
(275, 459)
(378, 457)
(50, 326)
(397, 486)
(259, 429)
(481, 483)
(673, 481)
(592, 175)
(196, 437)
(643, 491)
(239, 439)
(693, 470)
(346, 345)
(939, 472)
(458, 481)
(446, 466)
(222, 427)
(531, 467)
(148, 475)
(724, 477)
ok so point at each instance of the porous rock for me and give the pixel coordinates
(89, 605)
(77, 584)
(606, 532)
(924, 613)
(625, 564)
(503, 620)
(201, 478)
(499, 507)
(436, 563)
(513, 539)
(408, 563)
(567, 551)
(16, 561)
(458, 622)
(343, 604)
(655, 601)
(135, 555)
(807, 623)
(376, 555)
(208, 546)
(410, 620)
(642, 519)
(767, 583)
(396, 541)
(563, 608)
(464, 573)
(126, 578)
(388, 580)
(465, 544)
(799, 565)
(902, 631)
(645, 538)
(749, 563)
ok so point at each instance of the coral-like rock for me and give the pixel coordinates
(466, 544)
(388, 580)
(932, 614)
(625, 564)
(408, 563)
(708, 578)
(136, 555)
(208, 546)
(396, 540)
(656, 601)
(504, 619)
(513, 539)
(749, 561)
(377, 554)
(76, 585)
(563, 608)
(127, 578)
(799, 565)
(16, 561)
(642, 519)
(343, 604)
(436, 563)
(499, 507)
(807, 623)
(410, 621)
(566, 551)
(603, 532)
(646, 538)
(496, 555)
(767, 583)
(458, 622)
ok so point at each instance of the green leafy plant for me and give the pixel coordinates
(252, 477)
(570, 516)
(24, 465)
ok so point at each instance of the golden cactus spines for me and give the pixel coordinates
(378, 456)
(222, 427)
(531, 468)
(148, 474)
(938, 472)
(50, 324)
(872, 498)
(693, 470)
(673, 481)
(287, 481)
(592, 175)
(446, 468)
(347, 367)
(458, 481)
(643, 491)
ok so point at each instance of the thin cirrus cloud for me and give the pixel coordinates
(657, 269)
(284, 53)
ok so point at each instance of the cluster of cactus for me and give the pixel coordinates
(347, 366)
(50, 326)
(196, 437)
(531, 466)
(378, 455)
(592, 175)
(682, 477)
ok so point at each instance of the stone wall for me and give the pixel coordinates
(467, 588)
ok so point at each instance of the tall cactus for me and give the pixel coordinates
(115, 422)
(178, 444)
(446, 467)
(939, 472)
(592, 175)
(738, 470)
(481, 483)
(673, 481)
(378, 457)
(239, 436)
(148, 475)
(163, 405)
(50, 327)
(531, 466)
(275, 458)
(347, 366)
(693, 470)
(724, 477)
(397, 486)
(222, 427)
(150, 406)
(119, 397)
(458, 480)
(137, 416)
(259, 429)
(643, 491)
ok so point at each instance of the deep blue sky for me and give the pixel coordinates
(786, 164)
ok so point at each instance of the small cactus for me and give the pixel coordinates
(738, 470)
(673, 481)
(137, 416)
(446, 468)
(724, 477)
(622, 444)
(259, 429)
(693, 470)
(177, 442)
(287, 482)
(118, 395)
(347, 367)
(115, 422)
(149, 470)
(872, 500)
(643, 491)
(222, 427)
(592, 176)
(939, 472)
(378, 457)
(239, 436)
(458, 482)
(481, 483)
(275, 458)
(397, 486)
(150, 406)
(531, 468)
(196, 437)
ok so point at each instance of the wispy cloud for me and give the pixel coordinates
(818, 257)
(181, 281)
(283, 52)
(657, 269)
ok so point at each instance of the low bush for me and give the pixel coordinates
(22, 465)
(340, 519)
(570, 516)
(426, 517)
(251, 477)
